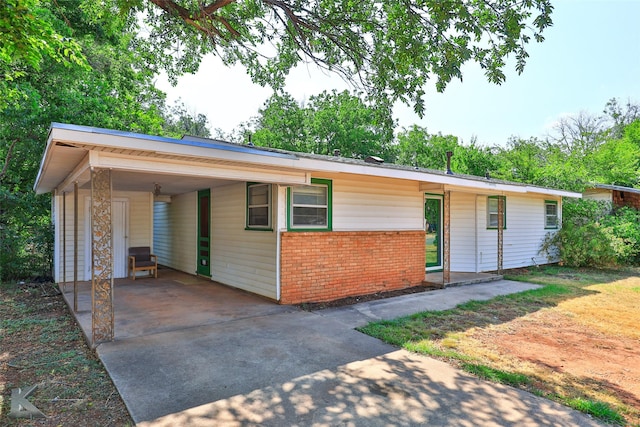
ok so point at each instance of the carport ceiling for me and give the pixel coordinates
(170, 185)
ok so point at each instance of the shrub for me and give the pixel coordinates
(594, 236)
(625, 225)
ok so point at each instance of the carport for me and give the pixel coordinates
(97, 177)
(172, 302)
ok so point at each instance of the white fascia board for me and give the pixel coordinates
(170, 147)
(336, 167)
(44, 164)
(167, 146)
(552, 192)
(184, 168)
(451, 181)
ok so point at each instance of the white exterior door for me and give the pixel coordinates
(119, 227)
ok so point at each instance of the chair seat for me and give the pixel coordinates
(145, 264)
(141, 258)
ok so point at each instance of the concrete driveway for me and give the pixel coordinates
(209, 355)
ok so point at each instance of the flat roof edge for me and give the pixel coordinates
(183, 142)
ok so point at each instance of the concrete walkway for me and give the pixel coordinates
(290, 367)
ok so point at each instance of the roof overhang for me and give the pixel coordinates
(181, 165)
(610, 187)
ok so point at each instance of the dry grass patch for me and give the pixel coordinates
(613, 308)
(575, 340)
(40, 343)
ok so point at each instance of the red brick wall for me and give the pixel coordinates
(631, 200)
(325, 266)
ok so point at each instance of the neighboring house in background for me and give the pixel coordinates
(293, 227)
(617, 195)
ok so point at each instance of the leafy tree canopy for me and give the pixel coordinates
(387, 49)
(109, 88)
(28, 37)
(327, 122)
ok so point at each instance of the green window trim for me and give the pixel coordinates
(251, 205)
(317, 182)
(490, 212)
(555, 217)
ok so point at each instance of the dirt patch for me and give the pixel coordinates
(314, 306)
(551, 340)
(41, 344)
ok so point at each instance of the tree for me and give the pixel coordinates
(416, 147)
(387, 49)
(621, 116)
(27, 39)
(617, 161)
(329, 121)
(344, 122)
(477, 160)
(282, 123)
(179, 121)
(112, 91)
(523, 160)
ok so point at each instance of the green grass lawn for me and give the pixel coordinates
(603, 301)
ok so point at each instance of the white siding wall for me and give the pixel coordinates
(162, 232)
(140, 218)
(175, 232)
(140, 228)
(598, 194)
(522, 237)
(245, 259)
(375, 204)
(463, 232)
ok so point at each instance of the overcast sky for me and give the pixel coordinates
(590, 55)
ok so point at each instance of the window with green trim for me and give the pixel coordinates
(258, 206)
(492, 212)
(550, 214)
(310, 206)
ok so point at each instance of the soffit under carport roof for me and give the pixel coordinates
(64, 157)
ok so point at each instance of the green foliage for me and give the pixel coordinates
(624, 226)
(592, 235)
(387, 49)
(114, 92)
(29, 38)
(599, 410)
(617, 161)
(497, 375)
(179, 121)
(329, 121)
(416, 147)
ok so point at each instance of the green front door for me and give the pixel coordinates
(433, 221)
(204, 233)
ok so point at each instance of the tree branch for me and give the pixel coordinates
(7, 159)
(213, 7)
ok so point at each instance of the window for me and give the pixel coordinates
(550, 214)
(310, 206)
(258, 206)
(492, 212)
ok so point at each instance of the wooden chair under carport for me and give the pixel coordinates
(141, 259)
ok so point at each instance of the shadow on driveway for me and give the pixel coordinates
(194, 353)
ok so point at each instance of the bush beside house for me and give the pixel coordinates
(593, 234)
